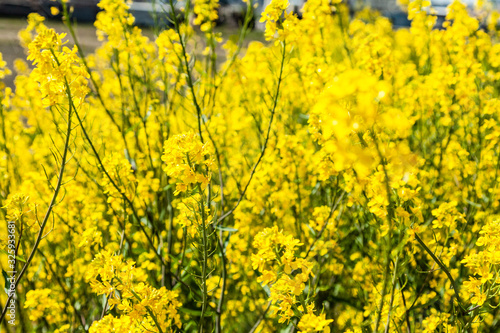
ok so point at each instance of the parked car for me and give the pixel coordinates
(16, 7)
(151, 12)
(84, 10)
(440, 9)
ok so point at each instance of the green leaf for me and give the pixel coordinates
(133, 127)
(267, 290)
(195, 313)
(228, 229)
(7, 282)
(190, 311)
(17, 257)
(287, 329)
(166, 188)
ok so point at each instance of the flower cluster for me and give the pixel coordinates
(118, 178)
(58, 69)
(188, 160)
(310, 323)
(113, 21)
(4, 70)
(285, 274)
(140, 305)
(272, 15)
(483, 284)
(44, 303)
(206, 13)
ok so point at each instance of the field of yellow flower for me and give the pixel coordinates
(342, 177)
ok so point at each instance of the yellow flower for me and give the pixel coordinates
(188, 160)
(310, 323)
(54, 11)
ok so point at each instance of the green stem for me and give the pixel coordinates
(204, 266)
(148, 309)
(391, 302)
(443, 267)
(390, 216)
(275, 103)
(52, 201)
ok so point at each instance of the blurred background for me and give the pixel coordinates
(13, 15)
(230, 10)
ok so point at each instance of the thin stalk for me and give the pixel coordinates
(5, 147)
(188, 70)
(332, 210)
(220, 304)
(241, 38)
(204, 266)
(52, 202)
(391, 302)
(96, 155)
(445, 270)
(84, 61)
(68, 24)
(263, 151)
(124, 196)
(261, 318)
(390, 216)
(65, 291)
(407, 311)
(148, 309)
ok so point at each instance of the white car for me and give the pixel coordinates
(144, 11)
(440, 6)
